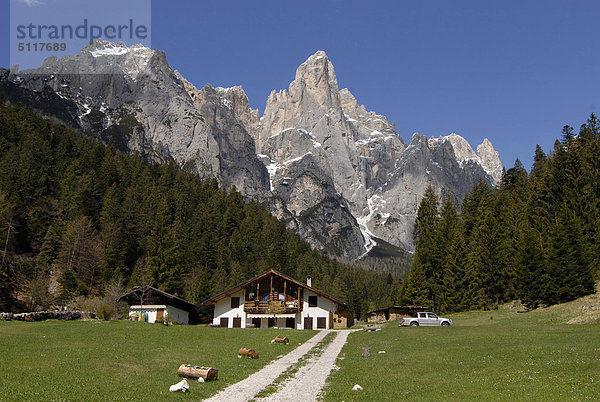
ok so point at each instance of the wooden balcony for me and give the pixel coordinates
(273, 306)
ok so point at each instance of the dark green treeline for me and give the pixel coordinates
(536, 238)
(76, 216)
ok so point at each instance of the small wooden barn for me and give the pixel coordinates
(149, 304)
(394, 313)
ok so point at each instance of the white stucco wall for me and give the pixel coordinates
(322, 310)
(223, 309)
(173, 314)
(177, 315)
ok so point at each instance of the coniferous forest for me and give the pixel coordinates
(78, 217)
(536, 238)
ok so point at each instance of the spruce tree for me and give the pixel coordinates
(423, 283)
(163, 253)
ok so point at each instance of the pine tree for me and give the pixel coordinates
(454, 279)
(530, 268)
(163, 253)
(569, 263)
(50, 247)
(423, 284)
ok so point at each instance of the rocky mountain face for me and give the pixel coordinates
(132, 97)
(314, 130)
(339, 175)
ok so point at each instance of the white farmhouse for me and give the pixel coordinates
(273, 299)
(150, 304)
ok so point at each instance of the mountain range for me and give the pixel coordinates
(340, 175)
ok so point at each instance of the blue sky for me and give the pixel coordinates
(512, 71)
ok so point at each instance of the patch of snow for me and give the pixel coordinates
(272, 169)
(109, 51)
(87, 109)
(364, 220)
(350, 119)
(282, 131)
(225, 102)
(366, 141)
(296, 159)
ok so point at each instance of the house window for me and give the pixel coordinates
(235, 302)
(321, 322)
(271, 322)
(312, 301)
(224, 323)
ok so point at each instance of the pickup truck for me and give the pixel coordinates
(425, 319)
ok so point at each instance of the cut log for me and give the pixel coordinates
(189, 371)
(281, 340)
(248, 352)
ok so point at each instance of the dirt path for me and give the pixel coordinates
(310, 379)
(304, 386)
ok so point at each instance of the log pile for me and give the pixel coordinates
(189, 371)
(42, 316)
(248, 352)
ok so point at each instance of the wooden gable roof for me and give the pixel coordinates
(237, 288)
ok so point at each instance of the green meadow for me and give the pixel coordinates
(494, 355)
(123, 360)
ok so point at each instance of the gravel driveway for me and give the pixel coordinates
(309, 380)
(304, 386)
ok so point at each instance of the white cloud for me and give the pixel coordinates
(31, 3)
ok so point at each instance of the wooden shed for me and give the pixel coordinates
(394, 313)
(149, 304)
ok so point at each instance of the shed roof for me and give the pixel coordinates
(382, 310)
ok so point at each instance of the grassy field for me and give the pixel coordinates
(496, 355)
(122, 360)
